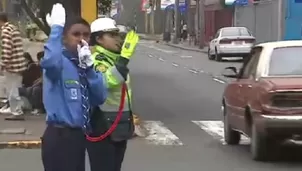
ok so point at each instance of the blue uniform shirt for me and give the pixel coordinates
(61, 84)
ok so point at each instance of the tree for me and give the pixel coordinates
(104, 6)
(72, 8)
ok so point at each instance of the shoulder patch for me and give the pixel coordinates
(101, 68)
(70, 82)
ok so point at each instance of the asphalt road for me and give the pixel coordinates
(178, 94)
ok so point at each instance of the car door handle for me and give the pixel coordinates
(249, 86)
(240, 85)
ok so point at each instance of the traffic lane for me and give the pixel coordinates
(203, 149)
(190, 59)
(200, 152)
(209, 156)
(172, 92)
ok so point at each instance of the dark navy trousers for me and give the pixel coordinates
(106, 155)
(63, 149)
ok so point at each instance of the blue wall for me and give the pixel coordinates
(293, 20)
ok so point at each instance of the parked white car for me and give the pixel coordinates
(231, 42)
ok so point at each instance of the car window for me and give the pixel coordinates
(235, 32)
(250, 68)
(286, 61)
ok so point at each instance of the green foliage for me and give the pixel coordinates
(104, 6)
(72, 7)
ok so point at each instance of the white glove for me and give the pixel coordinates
(57, 16)
(85, 56)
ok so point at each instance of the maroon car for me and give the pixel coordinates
(264, 102)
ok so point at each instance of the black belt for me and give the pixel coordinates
(62, 126)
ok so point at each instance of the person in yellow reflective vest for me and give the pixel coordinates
(111, 57)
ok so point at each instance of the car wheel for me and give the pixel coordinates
(261, 146)
(217, 56)
(210, 57)
(231, 137)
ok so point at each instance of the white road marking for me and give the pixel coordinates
(193, 71)
(174, 64)
(158, 134)
(232, 58)
(218, 80)
(158, 49)
(184, 56)
(161, 59)
(215, 129)
(150, 56)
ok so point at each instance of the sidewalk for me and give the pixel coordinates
(32, 47)
(181, 45)
(22, 134)
(157, 37)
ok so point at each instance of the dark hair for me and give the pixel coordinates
(72, 21)
(40, 55)
(3, 17)
(94, 36)
(28, 57)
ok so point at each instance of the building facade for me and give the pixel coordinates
(264, 19)
(293, 20)
(216, 16)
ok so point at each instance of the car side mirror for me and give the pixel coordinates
(230, 72)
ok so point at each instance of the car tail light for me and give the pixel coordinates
(281, 102)
(225, 41)
(287, 100)
(249, 41)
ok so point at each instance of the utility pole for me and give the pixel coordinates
(152, 17)
(202, 23)
(188, 16)
(3, 5)
(176, 22)
(281, 4)
(197, 29)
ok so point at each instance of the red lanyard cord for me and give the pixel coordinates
(116, 121)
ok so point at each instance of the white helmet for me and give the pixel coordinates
(122, 28)
(103, 24)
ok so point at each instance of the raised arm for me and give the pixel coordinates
(52, 60)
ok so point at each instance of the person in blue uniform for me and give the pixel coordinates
(71, 87)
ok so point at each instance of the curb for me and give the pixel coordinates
(36, 144)
(21, 145)
(185, 48)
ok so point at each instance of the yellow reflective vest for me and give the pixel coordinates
(104, 61)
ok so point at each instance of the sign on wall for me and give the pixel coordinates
(165, 3)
